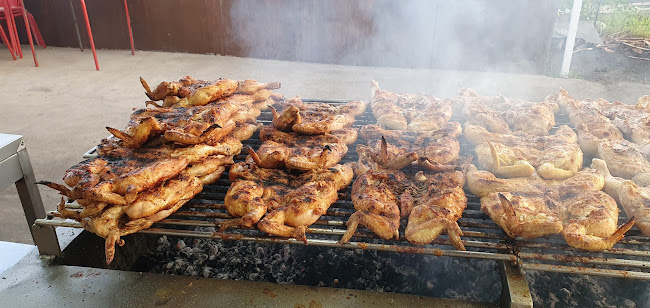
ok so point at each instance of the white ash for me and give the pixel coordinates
(468, 279)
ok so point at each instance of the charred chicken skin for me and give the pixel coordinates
(315, 118)
(192, 92)
(302, 152)
(293, 201)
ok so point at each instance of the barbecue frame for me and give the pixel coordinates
(483, 238)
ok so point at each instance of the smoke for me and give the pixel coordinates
(466, 35)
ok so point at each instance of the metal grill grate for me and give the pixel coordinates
(483, 239)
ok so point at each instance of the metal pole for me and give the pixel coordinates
(76, 26)
(128, 23)
(90, 33)
(571, 38)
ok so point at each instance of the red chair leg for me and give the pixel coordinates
(128, 23)
(7, 42)
(90, 33)
(29, 33)
(13, 31)
(35, 30)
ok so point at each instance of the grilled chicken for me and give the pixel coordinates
(634, 199)
(531, 207)
(294, 201)
(556, 156)
(521, 206)
(382, 193)
(158, 148)
(404, 111)
(439, 203)
(315, 118)
(191, 92)
(253, 190)
(590, 221)
(194, 125)
(499, 114)
(625, 160)
(302, 152)
(112, 223)
(375, 195)
(115, 181)
(306, 203)
(592, 126)
(434, 150)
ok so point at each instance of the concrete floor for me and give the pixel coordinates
(63, 106)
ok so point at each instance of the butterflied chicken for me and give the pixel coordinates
(315, 118)
(160, 148)
(376, 196)
(436, 150)
(293, 201)
(624, 159)
(304, 204)
(114, 221)
(302, 152)
(193, 125)
(592, 126)
(522, 207)
(382, 193)
(439, 203)
(530, 207)
(404, 111)
(192, 92)
(499, 114)
(556, 156)
(116, 181)
(254, 190)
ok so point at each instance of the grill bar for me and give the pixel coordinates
(630, 258)
(584, 270)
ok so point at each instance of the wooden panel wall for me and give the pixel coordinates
(467, 34)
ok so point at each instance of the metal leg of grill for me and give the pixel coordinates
(44, 237)
(515, 292)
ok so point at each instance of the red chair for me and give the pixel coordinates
(90, 33)
(17, 9)
(7, 42)
(13, 31)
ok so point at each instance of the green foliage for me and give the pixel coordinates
(618, 16)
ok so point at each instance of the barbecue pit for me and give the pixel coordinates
(483, 238)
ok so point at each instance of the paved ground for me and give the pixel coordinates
(63, 106)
